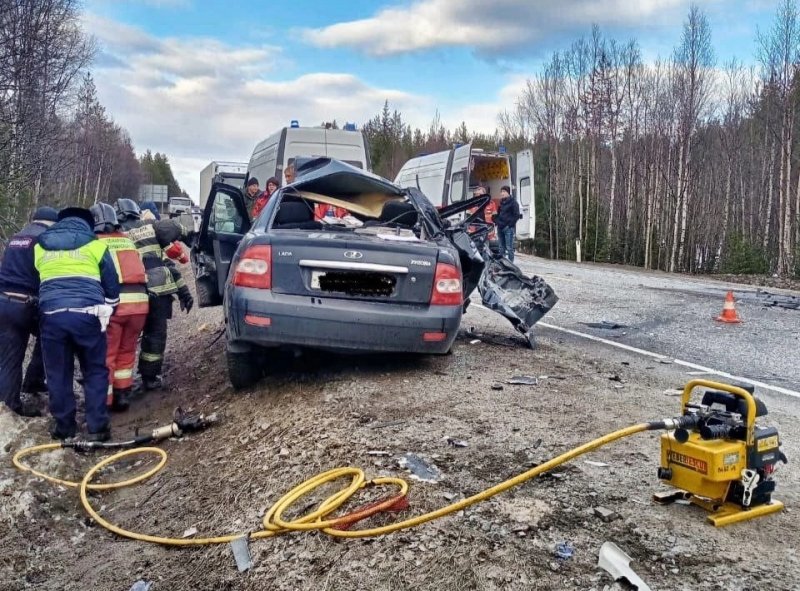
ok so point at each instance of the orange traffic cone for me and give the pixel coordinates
(729, 314)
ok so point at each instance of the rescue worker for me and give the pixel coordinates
(152, 238)
(19, 319)
(129, 318)
(78, 290)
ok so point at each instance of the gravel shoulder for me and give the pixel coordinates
(324, 412)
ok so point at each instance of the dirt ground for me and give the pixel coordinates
(324, 412)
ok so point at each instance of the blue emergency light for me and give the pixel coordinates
(501, 149)
(294, 123)
(349, 126)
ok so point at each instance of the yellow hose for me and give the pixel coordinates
(274, 523)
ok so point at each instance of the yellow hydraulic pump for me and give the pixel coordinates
(718, 457)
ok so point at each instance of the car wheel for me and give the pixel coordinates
(206, 294)
(243, 369)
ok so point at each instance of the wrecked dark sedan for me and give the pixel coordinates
(340, 260)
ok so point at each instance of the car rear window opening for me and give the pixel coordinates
(358, 283)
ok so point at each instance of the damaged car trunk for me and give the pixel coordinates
(346, 261)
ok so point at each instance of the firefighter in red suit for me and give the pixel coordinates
(131, 313)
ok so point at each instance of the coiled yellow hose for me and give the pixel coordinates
(317, 520)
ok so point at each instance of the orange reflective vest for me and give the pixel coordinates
(133, 297)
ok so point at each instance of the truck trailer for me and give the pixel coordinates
(230, 173)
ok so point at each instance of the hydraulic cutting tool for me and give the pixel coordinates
(718, 456)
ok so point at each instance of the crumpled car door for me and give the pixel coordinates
(524, 300)
(503, 286)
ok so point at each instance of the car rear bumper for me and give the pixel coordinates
(337, 324)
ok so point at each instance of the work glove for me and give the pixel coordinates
(185, 299)
(103, 313)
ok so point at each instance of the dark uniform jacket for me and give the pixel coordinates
(17, 273)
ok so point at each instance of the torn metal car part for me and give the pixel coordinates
(616, 563)
(505, 289)
(523, 381)
(605, 325)
(420, 469)
(241, 554)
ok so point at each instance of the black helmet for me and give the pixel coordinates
(128, 208)
(105, 218)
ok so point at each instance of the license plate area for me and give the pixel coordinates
(354, 283)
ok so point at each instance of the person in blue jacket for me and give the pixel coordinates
(19, 288)
(79, 287)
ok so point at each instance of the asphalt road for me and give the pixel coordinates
(672, 315)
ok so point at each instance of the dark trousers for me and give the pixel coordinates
(506, 241)
(154, 337)
(65, 335)
(18, 321)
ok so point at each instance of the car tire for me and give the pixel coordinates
(206, 294)
(244, 370)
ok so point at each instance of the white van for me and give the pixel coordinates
(272, 156)
(451, 176)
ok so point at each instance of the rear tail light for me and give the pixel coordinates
(434, 337)
(254, 269)
(446, 286)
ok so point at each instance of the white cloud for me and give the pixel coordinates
(499, 27)
(198, 99)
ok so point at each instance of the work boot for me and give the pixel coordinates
(30, 405)
(121, 400)
(155, 383)
(62, 432)
(99, 436)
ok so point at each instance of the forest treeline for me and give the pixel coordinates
(684, 164)
(58, 145)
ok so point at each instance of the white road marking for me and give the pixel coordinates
(689, 364)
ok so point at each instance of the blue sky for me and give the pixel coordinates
(205, 80)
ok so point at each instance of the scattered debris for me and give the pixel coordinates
(457, 442)
(378, 453)
(561, 377)
(241, 554)
(141, 585)
(616, 563)
(673, 392)
(605, 325)
(449, 496)
(203, 327)
(420, 469)
(192, 531)
(788, 302)
(604, 514)
(596, 464)
(386, 424)
(615, 378)
(523, 381)
(497, 386)
(474, 341)
(564, 550)
(666, 361)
